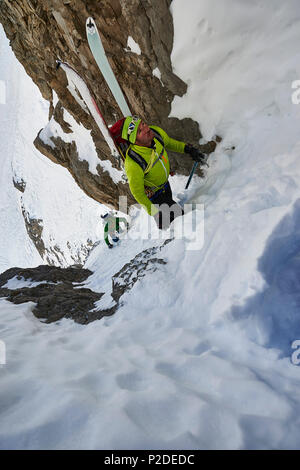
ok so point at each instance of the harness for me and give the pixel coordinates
(155, 194)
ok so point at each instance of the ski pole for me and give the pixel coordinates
(191, 174)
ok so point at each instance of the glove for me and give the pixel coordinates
(196, 155)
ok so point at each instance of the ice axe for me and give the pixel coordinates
(198, 157)
(191, 174)
(203, 161)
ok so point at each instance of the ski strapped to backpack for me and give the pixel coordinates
(113, 135)
(101, 60)
(100, 57)
(87, 102)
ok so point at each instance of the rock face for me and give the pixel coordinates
(54, 291)
(40, 32)
(59, 293)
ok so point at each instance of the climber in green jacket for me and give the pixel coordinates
(147, 168)
(112, 228)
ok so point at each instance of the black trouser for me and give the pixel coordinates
(165, 216)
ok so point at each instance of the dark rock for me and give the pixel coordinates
(61, 295)
(34, 228)
(46, 273)
(19, 184)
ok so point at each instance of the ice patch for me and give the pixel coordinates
(133, 46)
(156, 73)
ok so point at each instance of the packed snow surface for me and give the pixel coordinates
(200, 354)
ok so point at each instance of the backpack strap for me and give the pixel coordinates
(158, 137)
(138, 159)
(123, 146)
(160, 140)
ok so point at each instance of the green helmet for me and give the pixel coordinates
(130, 128)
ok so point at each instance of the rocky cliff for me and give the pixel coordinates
(61, 293)
(41, 31)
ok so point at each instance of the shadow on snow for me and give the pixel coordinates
(272, 316)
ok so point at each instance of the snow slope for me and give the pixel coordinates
(199, 355)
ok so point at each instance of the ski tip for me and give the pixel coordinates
(91, 25)
(58, 63)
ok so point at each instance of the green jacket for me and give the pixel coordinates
(158, 174)
(112, 226)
